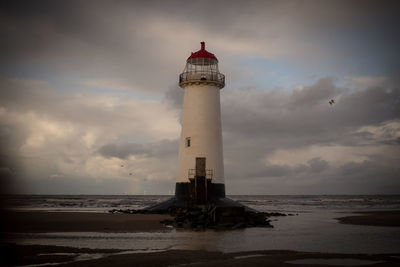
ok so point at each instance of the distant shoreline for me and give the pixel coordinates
(373, 218)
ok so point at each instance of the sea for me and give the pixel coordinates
(312, 225)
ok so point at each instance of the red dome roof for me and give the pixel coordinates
(202, 53)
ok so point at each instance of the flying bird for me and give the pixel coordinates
(122, 165)
(130, 173)
(331, 102)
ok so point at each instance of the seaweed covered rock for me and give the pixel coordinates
(214, 217)
(211, 217)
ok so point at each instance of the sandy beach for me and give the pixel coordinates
(40, 222)
(375, 218)
(19, 255)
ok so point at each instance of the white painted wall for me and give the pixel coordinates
(201, 121)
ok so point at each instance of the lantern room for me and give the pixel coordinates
(201, 68)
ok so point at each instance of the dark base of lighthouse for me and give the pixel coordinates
(186, 191)
(185, 198)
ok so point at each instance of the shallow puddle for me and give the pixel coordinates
(249, 256)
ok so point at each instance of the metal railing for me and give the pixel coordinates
(192, 174)
(209, 174)
(202, 76)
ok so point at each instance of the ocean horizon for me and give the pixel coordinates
(280, 203)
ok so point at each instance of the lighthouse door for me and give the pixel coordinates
(200, 181)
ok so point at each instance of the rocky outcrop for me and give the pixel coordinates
(213, 217)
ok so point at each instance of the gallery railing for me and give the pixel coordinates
(202, 76)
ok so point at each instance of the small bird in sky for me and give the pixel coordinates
(331, 102)
(122, 165)
(130, 173)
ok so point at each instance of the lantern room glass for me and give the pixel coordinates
(202, 70)
(201, 65)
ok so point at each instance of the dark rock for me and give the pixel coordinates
(220, 218)
(211, 217)
(167, 222)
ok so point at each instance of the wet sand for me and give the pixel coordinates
(41, 222)
(375, 218)
(33, 254)
(34, 222)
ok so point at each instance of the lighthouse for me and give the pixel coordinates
(200, 166)
(200, 177)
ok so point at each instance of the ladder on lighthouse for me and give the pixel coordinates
(199, 179)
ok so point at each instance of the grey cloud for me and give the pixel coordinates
(85, 110)
(91, 39)
(367, 177)
(315, 94)
(372, 176)
(305, 116)
(84, 185)
(144, 44)
(317, 165)
(30, 95)
(371, 106)
(122, 150)
(168, 148)
(256, 124)
(78, 38)
(174, 96)
(352, 168)
(262, 170)
(12, 135)
(73, 185)
(44, 132)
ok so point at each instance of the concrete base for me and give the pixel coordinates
(186, 191)
(185, 198)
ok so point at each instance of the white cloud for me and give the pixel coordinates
(109, 84)
(387, 132)
(363, 82)
(101, 98)
(335, 155)
(60, 134)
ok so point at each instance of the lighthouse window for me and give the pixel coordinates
(187, 141)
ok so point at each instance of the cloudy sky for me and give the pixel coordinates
(88, 86)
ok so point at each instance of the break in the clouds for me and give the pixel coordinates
(89, 101)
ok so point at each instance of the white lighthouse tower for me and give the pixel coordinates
(200, 178)
(201, 168)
